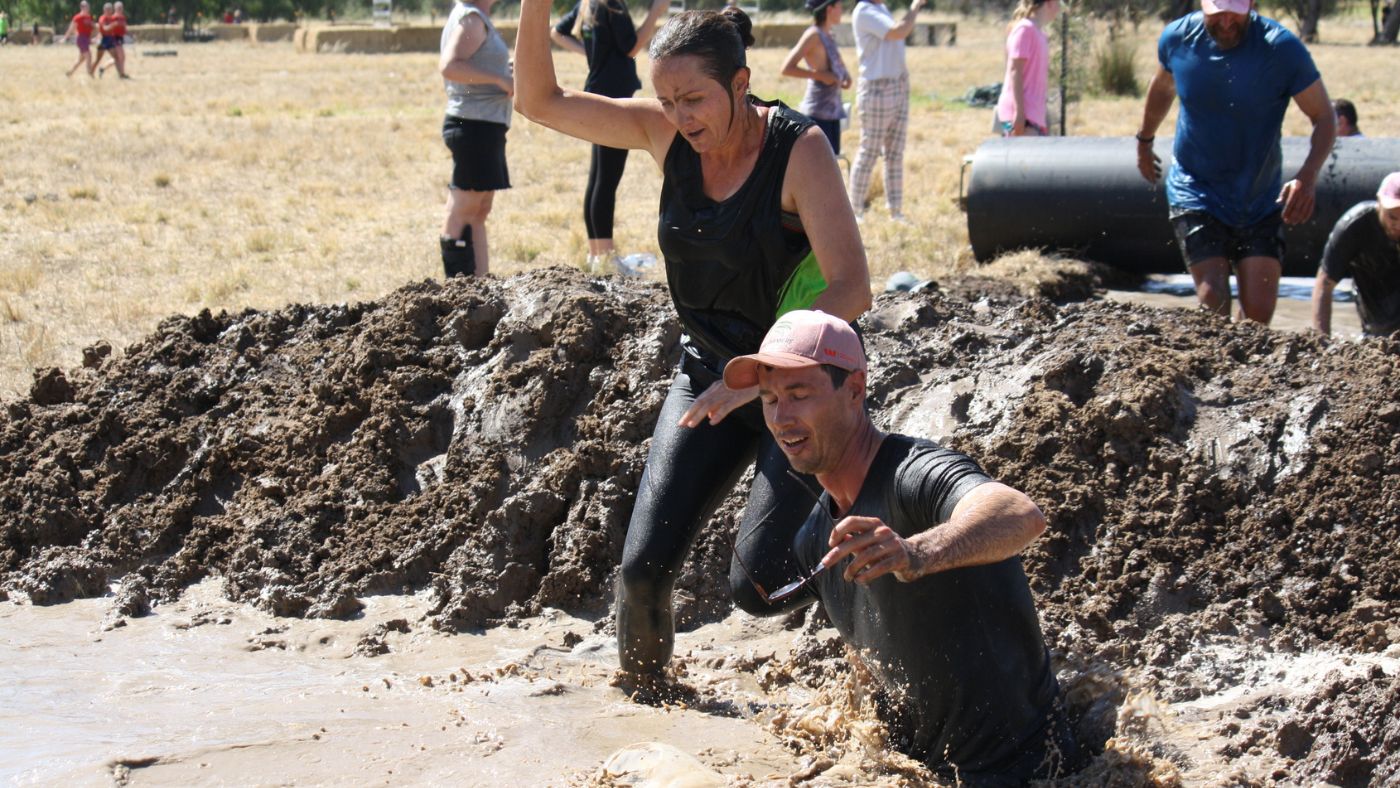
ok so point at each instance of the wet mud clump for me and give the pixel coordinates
(1218, 495)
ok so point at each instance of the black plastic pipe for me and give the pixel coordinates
(1084, 196)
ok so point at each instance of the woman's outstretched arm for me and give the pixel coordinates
(615, 123)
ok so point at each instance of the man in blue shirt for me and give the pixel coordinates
(1235, 72)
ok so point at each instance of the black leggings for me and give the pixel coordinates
(600, 198)
(689, 472)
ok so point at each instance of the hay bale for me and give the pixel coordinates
(156, 34)
(777, 34)
(351, 40)
(299, 39)
(25, 35)
(271, 33)
(417, 38)
(222, 32)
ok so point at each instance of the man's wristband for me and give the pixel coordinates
(1142, 139)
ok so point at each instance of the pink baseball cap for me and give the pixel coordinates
(1230, 6)
(800, 338)
(1389, 193)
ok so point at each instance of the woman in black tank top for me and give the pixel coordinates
(754, 222)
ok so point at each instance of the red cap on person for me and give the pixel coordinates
(1389, 193)
(1228, 6)
(800, 338)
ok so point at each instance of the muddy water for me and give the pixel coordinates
(1293, 313)
(206, 689)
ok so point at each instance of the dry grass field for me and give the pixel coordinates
(234, 176)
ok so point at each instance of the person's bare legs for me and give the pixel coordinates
(1258, 278)
(119, 57)
(483, 250)
(1212, 278)
(83, 58)
(468, 208)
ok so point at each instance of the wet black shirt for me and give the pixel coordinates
(961, 650)
(1359, 248)
(734, 266)
(607, 41)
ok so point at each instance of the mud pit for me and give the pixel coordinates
(1218, 581)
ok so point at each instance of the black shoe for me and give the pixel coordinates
(458, 258)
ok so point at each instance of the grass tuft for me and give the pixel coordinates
(1115, 66)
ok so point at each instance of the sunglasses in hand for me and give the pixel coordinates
(791, 589)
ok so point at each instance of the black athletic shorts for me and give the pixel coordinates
(1202, 236)
(478, 154)
(108, 42)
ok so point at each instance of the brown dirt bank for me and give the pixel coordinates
(1207, 484)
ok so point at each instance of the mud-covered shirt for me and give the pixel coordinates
(1359, 248)
(961, 651)
(735, 266)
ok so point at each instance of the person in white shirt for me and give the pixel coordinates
(882, 100)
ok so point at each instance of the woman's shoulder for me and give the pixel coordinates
(785, 119)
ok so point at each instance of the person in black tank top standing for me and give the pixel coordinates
(602, 31)
(754, 223)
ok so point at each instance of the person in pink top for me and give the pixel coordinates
(1021, 110)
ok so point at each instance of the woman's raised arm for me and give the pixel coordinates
(615, 123)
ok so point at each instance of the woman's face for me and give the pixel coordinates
(694, 102)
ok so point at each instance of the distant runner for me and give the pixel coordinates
(80, 30)
(1235, 72)
(1364, 245)
(925, 577)
(117, 30)
(104, 41)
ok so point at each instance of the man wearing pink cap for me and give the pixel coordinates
(914, 554)
(1364, 245)
(1235, 72)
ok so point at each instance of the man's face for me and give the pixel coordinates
(1390, 221)
(1227, 28)
(811, 420)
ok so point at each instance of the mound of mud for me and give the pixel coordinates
(1212, 489)
(484, 437)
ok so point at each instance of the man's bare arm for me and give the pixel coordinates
(1160, 95)
(991, 523)
(1299, 196)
